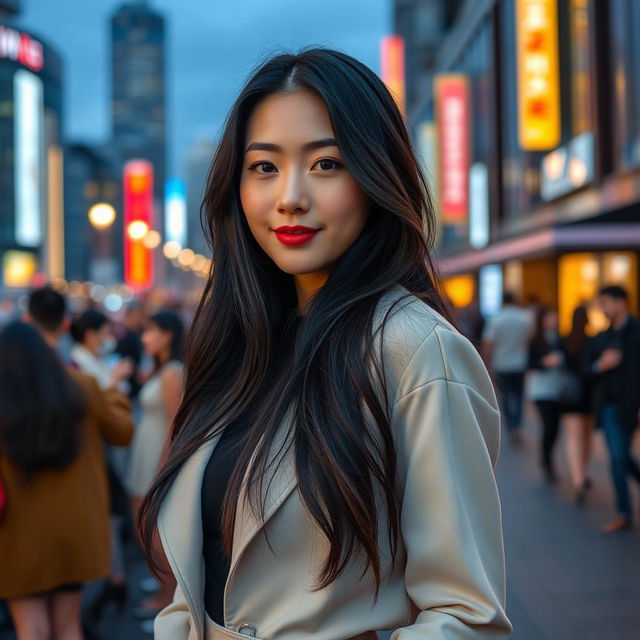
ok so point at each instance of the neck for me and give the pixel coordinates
(51, 339)
(306, 285)
(620, 321)
(163, 357)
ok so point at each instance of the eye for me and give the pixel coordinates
(263, 167)
(327, 164)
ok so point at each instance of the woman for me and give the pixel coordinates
(330, 467)
(93, 334)
(546, 360)
(54, 535)
(577, 416)
(159, 400)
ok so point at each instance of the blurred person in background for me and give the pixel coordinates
(472, 322)
(577, 412)
(614, 362)
(505, 348)
(93, 334)
(94, 340)
(54, 533)
(545, 361)
(160, 398)
(129, 344)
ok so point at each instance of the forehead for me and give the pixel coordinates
(289, 119)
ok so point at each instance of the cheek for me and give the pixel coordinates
(256, 202)
(344, 205)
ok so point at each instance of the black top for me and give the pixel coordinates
(216, 478)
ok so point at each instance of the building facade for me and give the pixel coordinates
(31, 225)
(530, 134)
(138, 91)
(91, 176)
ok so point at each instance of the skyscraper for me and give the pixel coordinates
(138, 89)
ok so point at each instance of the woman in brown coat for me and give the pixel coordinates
(54, 532)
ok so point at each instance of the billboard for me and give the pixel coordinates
(175, 217)
(392, 66)
(454, 122)
(138, 219)
(29, 158)
(20, 47)
(538, 74)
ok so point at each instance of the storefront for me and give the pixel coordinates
(550, 148)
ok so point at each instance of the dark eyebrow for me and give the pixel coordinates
(310, 146)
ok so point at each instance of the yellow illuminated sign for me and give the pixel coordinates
(538, 76)
(18, 268)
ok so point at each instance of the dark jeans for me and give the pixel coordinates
(510, 388)
(619, 442)
(550, 416)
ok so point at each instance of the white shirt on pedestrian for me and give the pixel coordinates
(509, 332)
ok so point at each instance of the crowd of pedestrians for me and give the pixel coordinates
(577, 382)
(86, 404)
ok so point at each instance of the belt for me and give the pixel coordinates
(214, 631)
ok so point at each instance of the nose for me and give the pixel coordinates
(293, 197)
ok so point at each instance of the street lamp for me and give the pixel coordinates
(137, 229)
(102, 215)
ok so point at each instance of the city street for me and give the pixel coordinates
(566, 581)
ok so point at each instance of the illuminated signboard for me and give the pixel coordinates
(392, 65)
(568, 167)
(175, 217)
(21, 47)
(18, 268)
(452, 114)
(138, 219)
(538, 75)
(29, 158)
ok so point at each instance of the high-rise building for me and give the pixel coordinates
(138, 90)
(30, 157)
(423, 25)
(9, 7)
(91, 177)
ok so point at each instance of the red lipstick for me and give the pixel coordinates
(295, 235)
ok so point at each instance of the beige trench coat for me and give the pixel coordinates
(447, 582)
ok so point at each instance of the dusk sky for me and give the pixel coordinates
(211, 48)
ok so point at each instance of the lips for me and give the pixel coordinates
(295, 235)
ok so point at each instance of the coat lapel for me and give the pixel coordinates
(180, 528)
(278, 488)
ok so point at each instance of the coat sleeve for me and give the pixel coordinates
(112, 411)
(448, 430)
(174, 621)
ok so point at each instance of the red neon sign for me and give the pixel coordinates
(452, 113)
(21, 47)
(392, 63)
(138, 213)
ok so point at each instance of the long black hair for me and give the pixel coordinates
(41, 407)
(170, 322)
(343, 461)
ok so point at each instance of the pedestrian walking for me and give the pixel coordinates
(576, 405)
(505, 347)
(546, 360)
(54, 529)
(330, 471)
(614, 362)
(129, 345)
(160, 398)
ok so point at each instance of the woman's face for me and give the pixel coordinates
(294, 175)
(155, 341)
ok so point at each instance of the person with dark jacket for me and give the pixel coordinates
(614, 362)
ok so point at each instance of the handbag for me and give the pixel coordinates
(570, 387)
